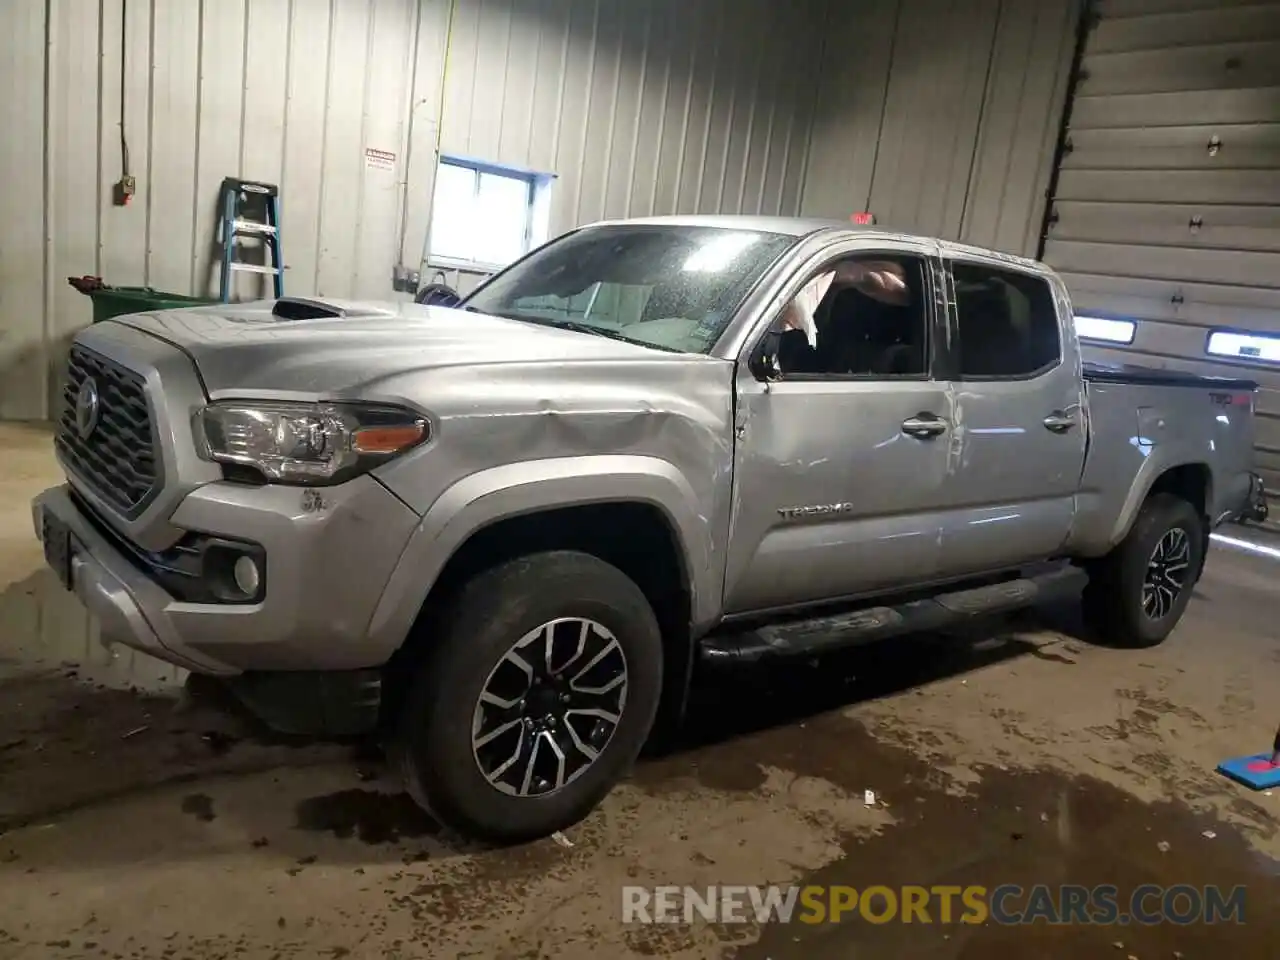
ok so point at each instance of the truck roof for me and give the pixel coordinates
(806, 226)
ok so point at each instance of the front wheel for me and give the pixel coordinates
(536, 699)
(1138, 593)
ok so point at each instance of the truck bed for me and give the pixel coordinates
(1153, 377)
(1144, 421)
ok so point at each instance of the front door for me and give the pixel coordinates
(1019, 445)
(841, 456)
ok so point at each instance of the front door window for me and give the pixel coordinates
(861, 317)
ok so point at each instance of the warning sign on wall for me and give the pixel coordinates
(379, 159)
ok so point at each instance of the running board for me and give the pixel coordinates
(836, 631)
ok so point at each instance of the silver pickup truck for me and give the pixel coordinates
(505, 533)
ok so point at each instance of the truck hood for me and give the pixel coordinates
(245, 347)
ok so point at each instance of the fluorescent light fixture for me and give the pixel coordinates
(1245, 346)
(1104, 328)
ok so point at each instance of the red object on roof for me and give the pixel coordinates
(864, 219)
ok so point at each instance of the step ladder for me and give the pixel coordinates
(250, 209)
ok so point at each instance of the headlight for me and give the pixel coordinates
(310, 444)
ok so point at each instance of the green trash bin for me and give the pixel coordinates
(111, 301)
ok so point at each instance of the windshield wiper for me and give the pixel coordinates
(580, 327)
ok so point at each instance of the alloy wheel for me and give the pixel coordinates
(550, 707)
(1166, 573)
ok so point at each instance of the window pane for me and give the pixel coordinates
(868, 320)
(1008, 324)
(1246, 346)
(633, 280)
(1104, 328)
(502, 217)
(453, 213)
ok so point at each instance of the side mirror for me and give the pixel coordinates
(438, 295)
(765, 364)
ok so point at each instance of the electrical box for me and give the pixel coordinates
(124, 190)
(404, 280)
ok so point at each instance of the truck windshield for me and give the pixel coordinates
(670, 287)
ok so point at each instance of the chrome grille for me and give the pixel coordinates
(116, 457)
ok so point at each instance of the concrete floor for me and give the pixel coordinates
(139, 825)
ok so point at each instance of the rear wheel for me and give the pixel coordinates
(536, 699)
(1138, 593)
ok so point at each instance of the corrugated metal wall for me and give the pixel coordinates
(638, 106)
(288, 91)
(1168, 203)
(936, 114)
(941, 116)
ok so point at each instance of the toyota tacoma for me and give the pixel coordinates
(504, 533)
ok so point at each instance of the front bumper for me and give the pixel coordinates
(326, 567)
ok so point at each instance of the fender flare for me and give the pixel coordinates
(498, 493)
(1148, 475)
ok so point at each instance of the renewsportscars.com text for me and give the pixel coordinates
(1005, 904)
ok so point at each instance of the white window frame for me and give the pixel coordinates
(1230, 344)
(1105, 329)
(537, 210)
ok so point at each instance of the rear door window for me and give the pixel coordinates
(1007, 323)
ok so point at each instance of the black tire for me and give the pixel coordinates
(486, 618)
(437, 294)
(1114, 598)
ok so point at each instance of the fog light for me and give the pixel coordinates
(247, 576)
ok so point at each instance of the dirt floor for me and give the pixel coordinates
(144, 825)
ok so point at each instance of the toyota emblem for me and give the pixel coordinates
(87, 408)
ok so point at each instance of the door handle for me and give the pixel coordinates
(1059, 422)
(924, 426)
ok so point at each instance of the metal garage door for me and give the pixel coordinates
(1166, 205)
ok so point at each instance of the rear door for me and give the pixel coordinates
(1018, 447)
